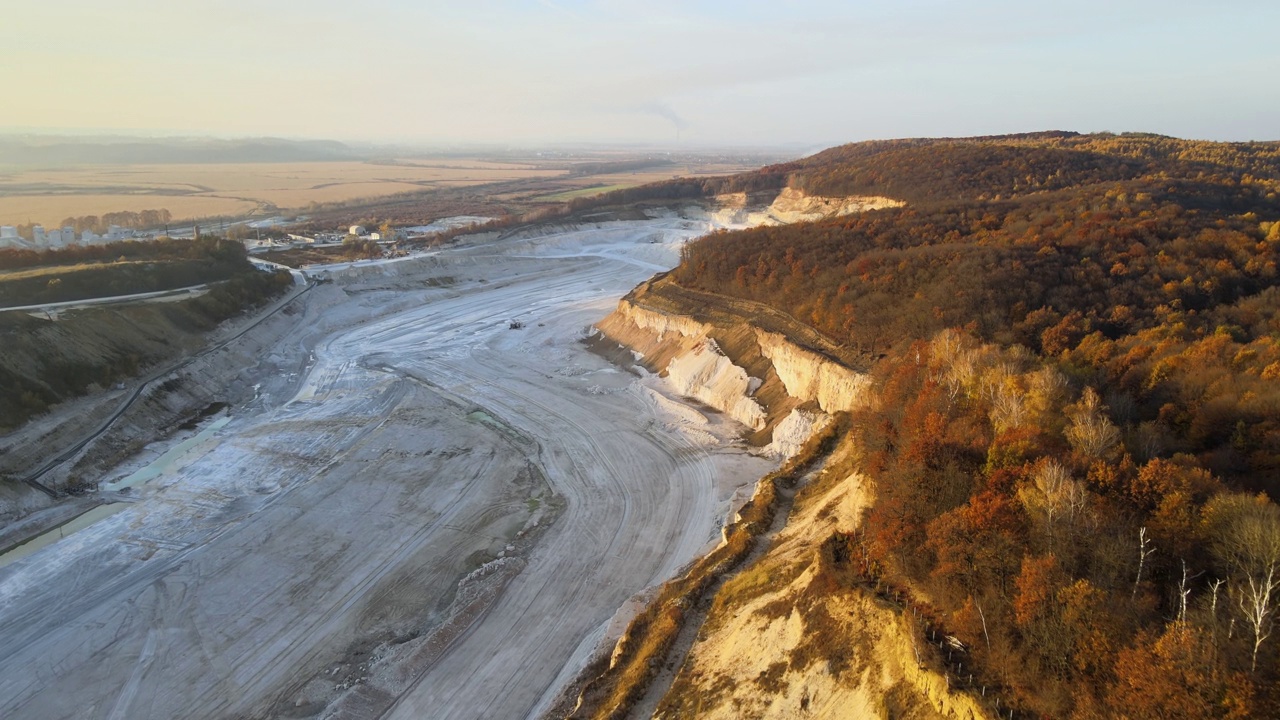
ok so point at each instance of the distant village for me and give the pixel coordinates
(40, 239)
(55, 239)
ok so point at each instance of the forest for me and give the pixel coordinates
(1076, 345)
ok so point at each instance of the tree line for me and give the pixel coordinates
(207, 247)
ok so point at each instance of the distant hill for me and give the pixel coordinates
(56, 151)
(999, 167)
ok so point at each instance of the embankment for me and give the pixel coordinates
(787, 633)
(720, 356)
(85, 352)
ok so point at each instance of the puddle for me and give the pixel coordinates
(76, 524)
(151, 471)
(158, 466)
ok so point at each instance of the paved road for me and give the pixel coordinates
(110, 300)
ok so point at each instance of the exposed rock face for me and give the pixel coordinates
(807, 376)
(808, 385)
(692, 360)
(794, 430)
(660, 323)
(707, 375)
(731, 209)
(783, 641)
(810, 376)
(792, 205)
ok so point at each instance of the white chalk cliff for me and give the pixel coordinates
(684, 349)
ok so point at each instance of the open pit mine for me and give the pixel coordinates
(440, 486)
(434, 492)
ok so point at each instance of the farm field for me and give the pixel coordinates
(585, 192)
(194, 191)
(204, 190)
(52, 209)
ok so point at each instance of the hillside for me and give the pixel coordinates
(1073, 342)
(49, 359)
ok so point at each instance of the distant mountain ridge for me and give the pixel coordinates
(46, 151)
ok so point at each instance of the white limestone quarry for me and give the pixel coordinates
(793, 205)
(790, 206)
(699, 369)
(705, 374)
(318, 558)
(660, 323)
(732, 209)
(794, 431)
(810, 376)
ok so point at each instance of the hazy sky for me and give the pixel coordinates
(743, 72)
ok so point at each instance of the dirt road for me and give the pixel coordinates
(307, 560)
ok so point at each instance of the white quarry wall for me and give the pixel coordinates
(703, 372)
(789, 206)
(794, 431)
(661, 323)
(708, 376)
(794, 206)
(810, 376)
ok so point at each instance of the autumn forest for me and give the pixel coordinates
(1076, 447)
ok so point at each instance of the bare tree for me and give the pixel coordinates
(1145, 550)
(985, 635)
(1215, 588)
(1246, 538)
(1053, 496)
(1008, 409)
(1184, 592)
(1090, 431)
(1257, 604)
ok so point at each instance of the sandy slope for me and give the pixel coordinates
(307, 559)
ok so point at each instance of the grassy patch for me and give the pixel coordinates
(770, 681)
(80, 282)
(582, 192)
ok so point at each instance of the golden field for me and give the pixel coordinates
(205, 190)
(52, 209)
(193, 191)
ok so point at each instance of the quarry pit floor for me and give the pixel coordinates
(438, 516)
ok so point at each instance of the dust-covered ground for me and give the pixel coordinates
(436, 517)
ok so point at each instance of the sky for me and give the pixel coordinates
(701, 73)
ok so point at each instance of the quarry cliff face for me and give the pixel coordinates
(810, 376)
(791, 206)
(781, 639)
(694, 363)
(706, 375)
(809, 386)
